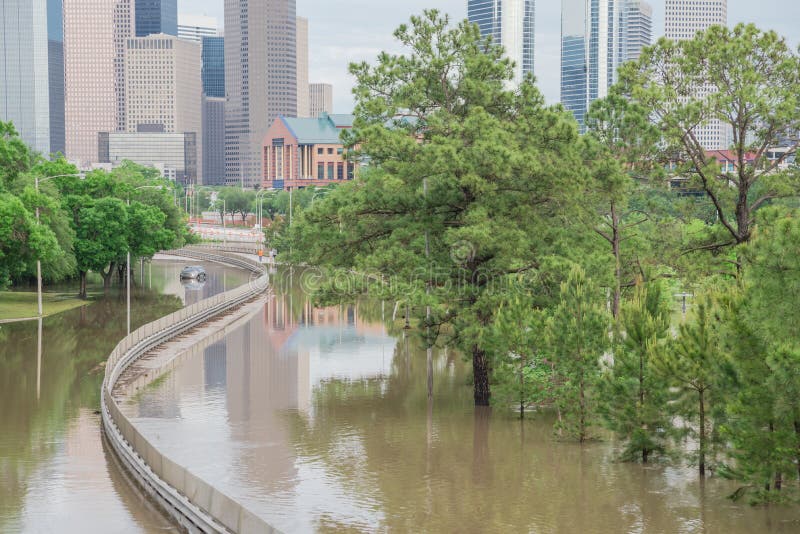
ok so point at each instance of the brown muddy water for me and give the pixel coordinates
(319, 420)
(56, 474)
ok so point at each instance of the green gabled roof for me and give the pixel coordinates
(322, 130)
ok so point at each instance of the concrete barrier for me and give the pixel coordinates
(193, 503)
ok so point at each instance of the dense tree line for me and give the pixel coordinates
(552, 259)
(87, 222)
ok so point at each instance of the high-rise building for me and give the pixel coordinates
(195, 27)
(260, 80)
(213, 140)
(320, 99)
(682, 20)
(213, 73)
(637, 33)
(156, 16)
(24, 70)
(164, 88)
(174, 155)
(303, 106)
(597, 36)
(95, 33)
(55, 59)
(511, 24)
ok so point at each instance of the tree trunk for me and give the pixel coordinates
(107, 278)
(582, 428)
(797, 434)
(480, 370)
(522, 391)
(645, 452)
(702, 459)
(615, 247)
(82, 293)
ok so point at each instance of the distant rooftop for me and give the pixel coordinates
(323, 130)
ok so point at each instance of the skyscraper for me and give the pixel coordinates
(156, 16)
(320, 97)
(213, 58)
(164, 88)
(260, 80)
(511, 24)
(24, 70)
(213, 139)
(597, 36)
(303, 109)
(95, 33)
(637, 27)
(195, 27)
(683, 19)
(55, 57)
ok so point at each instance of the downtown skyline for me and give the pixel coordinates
(351, 30)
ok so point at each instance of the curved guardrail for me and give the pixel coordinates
(194, 504)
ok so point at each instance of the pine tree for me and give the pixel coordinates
(633, 392)
(579, 334)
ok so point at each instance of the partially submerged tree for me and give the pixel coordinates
(579, 338)
(469, 178)
(634, 393)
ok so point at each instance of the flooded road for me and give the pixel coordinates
(56, 474)
(319, 420)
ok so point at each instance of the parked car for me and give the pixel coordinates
(193, 272)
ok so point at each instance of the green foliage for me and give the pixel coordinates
(579, 338)
(101, 233)
(633, 392)
(522, 374)
(695, 366)
(467, 183)
(750, 80)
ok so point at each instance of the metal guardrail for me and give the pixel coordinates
(196, 505)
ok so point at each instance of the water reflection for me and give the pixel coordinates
(322, 419)
(55, 474)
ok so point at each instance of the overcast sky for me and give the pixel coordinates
(342, 31)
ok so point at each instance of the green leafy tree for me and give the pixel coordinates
(146, 233)
(21, 239)
(466, 182)
(101, 238)
(750, 82)
(634, 393)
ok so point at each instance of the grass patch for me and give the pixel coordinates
(23, 304)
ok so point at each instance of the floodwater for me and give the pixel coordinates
(56, 473)
(320, 420)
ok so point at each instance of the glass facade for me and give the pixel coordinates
(55, 62)
(597, 36)
(24, 70)
(213, 57)
(510, 23)
(156, 16)
(173, 154)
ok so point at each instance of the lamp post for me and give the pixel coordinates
(128, 260)
(38, 260)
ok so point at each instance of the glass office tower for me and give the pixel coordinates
(156, 16)
(511, 24)
(597, 36)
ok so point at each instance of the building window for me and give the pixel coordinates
(330, 151)
(350, 170)
(320, 151)
(340, 171)
(339, 151)
(320, 171)
(330, 171)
